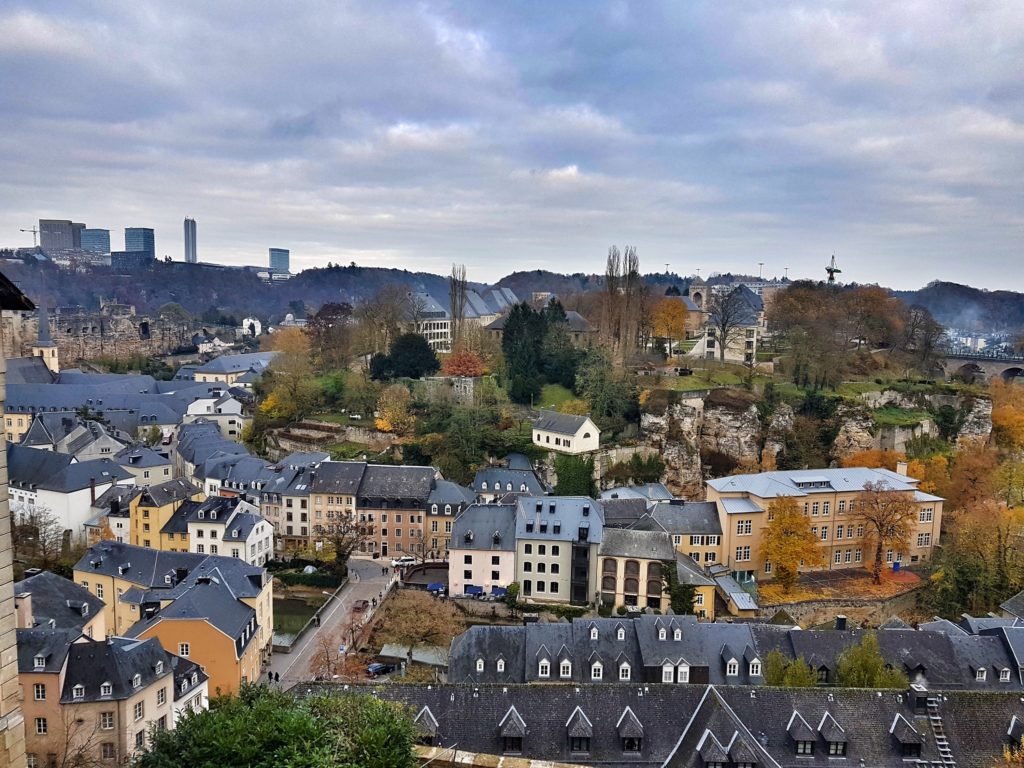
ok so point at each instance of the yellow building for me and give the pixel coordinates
(153, 509)
(217, 611)
(829, 499)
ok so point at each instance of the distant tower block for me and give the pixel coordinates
(191, 256)
(45, 346)
(832, 270)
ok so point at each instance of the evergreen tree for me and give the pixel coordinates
(575, 476)
(411, 357)
(520, 343)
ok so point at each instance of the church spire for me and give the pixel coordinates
(43, 337)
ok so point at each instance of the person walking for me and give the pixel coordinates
(277, 677)
(270, 676)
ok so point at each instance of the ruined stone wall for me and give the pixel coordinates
(90, 335)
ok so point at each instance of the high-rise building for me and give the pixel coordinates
(130, 261)
(96, 240)
(12, 725)
(140, 239)
(190, 240)
(60, 234)
(279, 258)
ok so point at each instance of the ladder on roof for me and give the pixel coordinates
(939, 731)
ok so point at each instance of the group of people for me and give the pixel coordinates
(273, 677)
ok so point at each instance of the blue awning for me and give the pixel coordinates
(436, 586)
(498, 591)
(472, 589)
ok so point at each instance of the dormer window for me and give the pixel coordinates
(755, 668)
(1004, 675)
(805, 748)
(195, 678)
(39, 662)
(980, 675)
(732, 669)
(565, 670)
(78, 692)
(677, 634)
(433, 509)
(593, 635)
(159, 667)
(479, 665)
(544, 669)
(106, 689)
(184, 685)
(620, 634)
(447, 509)
(837, 749)
(522, 487)
(500, 665)
(483, 486)
(662, 634)
(624, 672)
(202, 514)
(136, 681)
(596, 671)
(668, 673)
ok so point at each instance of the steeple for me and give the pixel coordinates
(45, 347)
(43, 338)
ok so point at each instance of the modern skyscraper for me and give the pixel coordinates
(279, 258)
(60, 234)
(140, 239)
(96, 240)
(190, 240)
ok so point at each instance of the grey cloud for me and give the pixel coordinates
(710, 134)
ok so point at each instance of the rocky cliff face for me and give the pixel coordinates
(855, 431)
(977, 423)
(675, 434)
(779, 424)
(732, 432)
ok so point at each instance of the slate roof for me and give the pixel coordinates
(683, 518)
(769, 485)
(147, 568)
(304, 459)
(28, 370)
(1015, 605)
(338, 477)
(382, 481)
(237, 363)
(123, 494)
(57, 602)
(648, 545)
(623, 513)
(142, 457)
(560, 423)
(11, 296)
(46, 470)
(690, 572)
(116, 660)
(488, 527)
(679, 721)
(537, 518)
(51, 644)
(168, 492)
(510, 480)
(447, 492)
(648, 491)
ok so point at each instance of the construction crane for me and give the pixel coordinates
(34, 232)
(832, 270)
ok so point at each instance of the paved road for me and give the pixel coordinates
(365, 582)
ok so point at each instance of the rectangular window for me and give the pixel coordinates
(824, 533)
(860, 531)
(467, 559)
(542, 549)
(839, 531)
(814, 509)
(161, 697)
(106, 721)
(825, 505)
(139, 710)
(848, 556)
(183, 649)
(744, 527)
(698, 541)
(39, 692)
(140, 739)
(742, 554)
(838, 557)
(926, 515)
(857, 556)
(467, 574)
(842, 505)
(41, 727)
(924, 539)
(108, 751)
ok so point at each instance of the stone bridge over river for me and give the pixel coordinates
(978, 366)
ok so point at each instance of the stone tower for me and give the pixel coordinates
(45, 347)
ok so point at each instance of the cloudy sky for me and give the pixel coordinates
(711, 135)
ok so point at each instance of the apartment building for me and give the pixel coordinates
(830, 499)
(557, 543)
(224, 525)
(447, 500)
(633, 565)
(142, 588)
(483, 550)
(694, 526)
(394, 501)
(154, 508)
(94, 702)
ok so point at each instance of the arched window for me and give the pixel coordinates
(611, 565)
(479, 665)
(608, 584)
(433, 509)
(508, 486)
(501, 665)
(632, 568)
(677, 634)
(655, 587)
(631, 586)
(654, 571)
(624, 672)
(447, 509)
(662, 634)
(596, 671)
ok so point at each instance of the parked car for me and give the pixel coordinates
(403, 562)
(360, 606)
(377, 669)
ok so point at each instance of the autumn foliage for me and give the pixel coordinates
(874, 459)
(463, 362)
(788, 541)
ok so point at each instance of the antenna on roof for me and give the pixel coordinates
(832, 270)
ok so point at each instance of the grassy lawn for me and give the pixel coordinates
(898, 417)
(335, 417)
(553, 395)
(347, 450)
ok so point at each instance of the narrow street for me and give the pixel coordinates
(365, 583)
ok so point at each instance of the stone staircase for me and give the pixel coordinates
(939, 731)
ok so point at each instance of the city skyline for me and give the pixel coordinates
(711, 137)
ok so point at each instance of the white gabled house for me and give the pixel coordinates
(565, 433)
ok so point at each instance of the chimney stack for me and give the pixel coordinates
(92, 490)
(901, 468)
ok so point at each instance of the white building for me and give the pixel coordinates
(230, 527)
(565, 433)
(225, 411)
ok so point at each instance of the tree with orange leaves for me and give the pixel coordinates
(670, 320)
(874, 459)
(463, 362)
(888, 517)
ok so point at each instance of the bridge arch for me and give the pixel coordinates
(1012, 373)
(969, 373)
